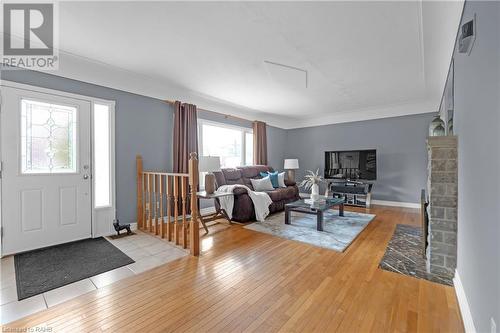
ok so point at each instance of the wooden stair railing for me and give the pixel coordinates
(162, 204)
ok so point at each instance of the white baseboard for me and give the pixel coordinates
(396, 203)
(463, 304)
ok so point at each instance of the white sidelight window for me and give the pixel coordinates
(102, 156)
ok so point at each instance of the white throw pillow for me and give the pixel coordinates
(261, 185)
(281, 179)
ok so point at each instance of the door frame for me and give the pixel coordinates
(93, 100)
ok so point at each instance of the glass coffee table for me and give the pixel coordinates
(314, 209)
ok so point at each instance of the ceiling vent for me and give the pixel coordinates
(467, 36)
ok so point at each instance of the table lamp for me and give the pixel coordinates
(291, 164)
(209, 164)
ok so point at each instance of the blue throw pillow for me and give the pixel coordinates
(273, 176)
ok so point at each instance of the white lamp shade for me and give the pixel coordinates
(291, 164)
(209, 163)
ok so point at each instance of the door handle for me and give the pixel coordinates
(85, 176)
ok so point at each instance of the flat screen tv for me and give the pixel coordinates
(351, 165)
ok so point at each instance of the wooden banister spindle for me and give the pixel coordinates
(150, 190)
(140, 188)
(178, 192)
(146, 221)
(152, 225)
(176, 210)
(162, 222)
(157, 205)
(184, 199)
(169, 208)
(144, 201)
(194, 227)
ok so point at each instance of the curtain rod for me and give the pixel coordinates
(226, 116)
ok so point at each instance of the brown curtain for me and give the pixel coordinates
(259, 143)
(185, 135)
(185, 139)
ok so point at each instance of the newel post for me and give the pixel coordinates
(138, 163)
(194, 227)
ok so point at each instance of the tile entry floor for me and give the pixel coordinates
(147, 250)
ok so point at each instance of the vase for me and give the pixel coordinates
(450, 126)
(439, 131)
(436, 127)
(315, 192)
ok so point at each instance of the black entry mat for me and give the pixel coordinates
(45, 269)
(403, 256)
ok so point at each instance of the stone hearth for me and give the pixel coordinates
(404, 256)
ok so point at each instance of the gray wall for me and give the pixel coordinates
(143, 126)
(477, 125)
(400, 144)
(276, 145)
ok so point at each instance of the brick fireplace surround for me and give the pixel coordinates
(441, 251)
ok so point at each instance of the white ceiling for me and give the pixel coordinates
(363, 59)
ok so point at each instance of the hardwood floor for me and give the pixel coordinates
(249, 281)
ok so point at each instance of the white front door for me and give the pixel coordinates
(46, 185)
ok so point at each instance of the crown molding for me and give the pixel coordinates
(389, 111)
(87, 70)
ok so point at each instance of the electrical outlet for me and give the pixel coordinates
(493, 325)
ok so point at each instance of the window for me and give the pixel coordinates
(248, 148)
(233, 144)
(102, 156)
(48, 138)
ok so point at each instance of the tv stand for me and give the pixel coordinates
(355, 192)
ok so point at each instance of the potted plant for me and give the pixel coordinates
(312, 181)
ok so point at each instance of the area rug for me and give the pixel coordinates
(339, 232)
(45, 269)
(403, 255)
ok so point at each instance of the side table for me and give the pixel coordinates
(219, 213)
